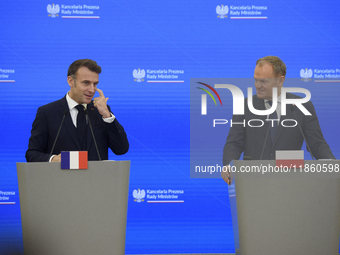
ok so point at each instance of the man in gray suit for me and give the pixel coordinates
(262, 142)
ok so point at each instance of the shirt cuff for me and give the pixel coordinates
(50, 160)
(109, 119)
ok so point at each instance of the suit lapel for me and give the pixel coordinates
(71, 129)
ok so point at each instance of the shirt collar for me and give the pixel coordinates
(278, 100)
(71, 103)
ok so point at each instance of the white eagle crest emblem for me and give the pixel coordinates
(53, 10)
(138, 75)
(222, 11)
(138, 195)
(306, 74)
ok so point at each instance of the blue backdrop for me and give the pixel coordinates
(172, 41)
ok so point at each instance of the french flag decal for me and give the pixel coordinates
(74, 160)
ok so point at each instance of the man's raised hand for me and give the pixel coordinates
(101, 104)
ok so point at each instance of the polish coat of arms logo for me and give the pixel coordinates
(138, 74)
(138, 195)
(53, 10)
(222, 11)
(306, 74)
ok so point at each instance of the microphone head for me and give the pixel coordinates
(292, 107)
(65, 112)
(86, 111)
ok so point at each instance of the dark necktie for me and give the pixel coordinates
(81, 121)
(273, 125)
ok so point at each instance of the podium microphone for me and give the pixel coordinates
(55, 141)
(94, 139)
(292, 108)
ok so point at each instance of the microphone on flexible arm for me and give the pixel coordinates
(94, 139)
(292, 108)
(55, 141)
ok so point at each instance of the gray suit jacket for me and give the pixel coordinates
(250, 140)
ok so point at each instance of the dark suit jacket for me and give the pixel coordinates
(46, 125)
(250, 140)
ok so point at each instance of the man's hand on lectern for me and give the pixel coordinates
(56, 158)
(226, 174)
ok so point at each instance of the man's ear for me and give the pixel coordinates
(281, 81)
(70, 81)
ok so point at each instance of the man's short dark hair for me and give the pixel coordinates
(278, 66)
(90, 64)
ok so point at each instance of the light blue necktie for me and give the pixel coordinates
(273, 127)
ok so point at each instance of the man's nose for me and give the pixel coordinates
(92, 88)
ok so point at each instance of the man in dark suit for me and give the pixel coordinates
(262, 142)
(78, 109)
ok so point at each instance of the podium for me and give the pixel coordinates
(285, 213)
(74, 211)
